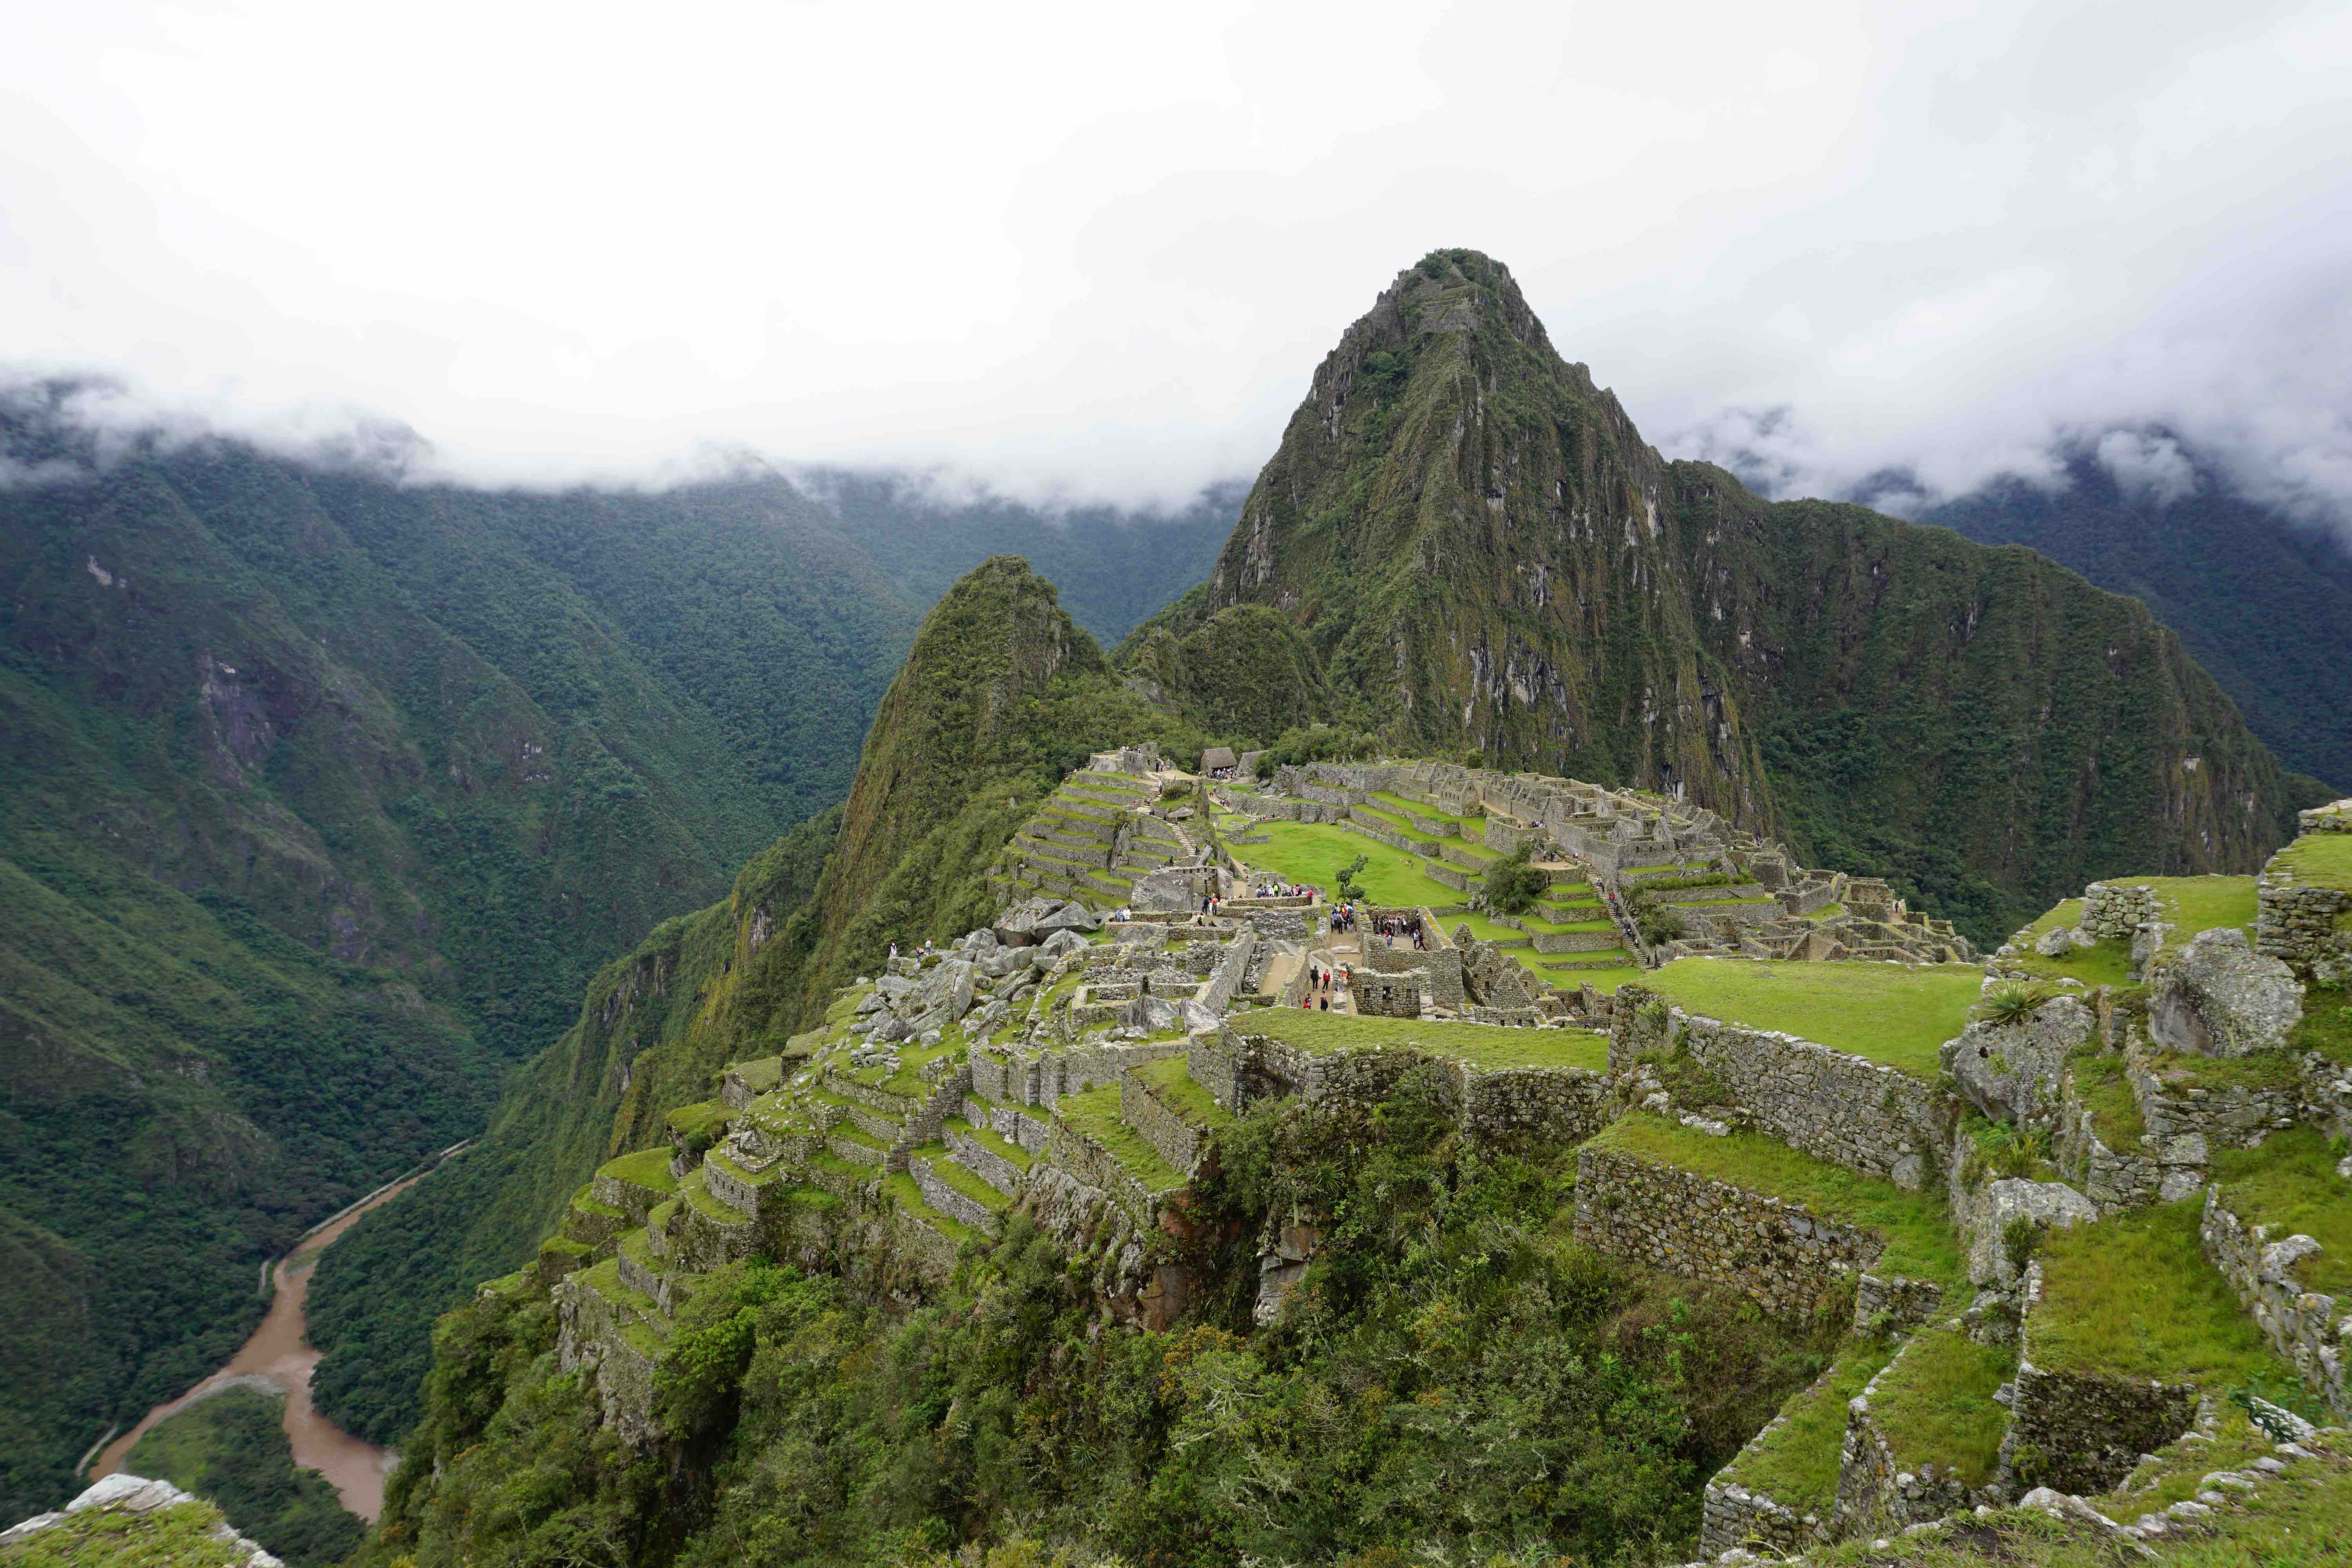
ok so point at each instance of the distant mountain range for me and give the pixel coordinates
(2264, 603)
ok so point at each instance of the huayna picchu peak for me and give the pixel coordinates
(1551, 1011)
(1468, 548)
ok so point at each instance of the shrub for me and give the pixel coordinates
(2011, 1002)
(1350, 888)
(1513, 883)
(1656, 922)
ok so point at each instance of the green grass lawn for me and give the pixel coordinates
(2322, 857)
(1920, 1243)
(1313, 853)
(2191, 903)
(901, 1189)
(2100, 1084)
(1798, 1465)
(1173, 1083)
(1480, 1045)
(2290, 1184)
(1389, 801)
(2133, 1296)
(647, 1168)
(1604, 981)
(1937, 1406)
(2108, 963)
(1890, 1013)
(1095, 1114)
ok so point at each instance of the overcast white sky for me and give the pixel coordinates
(1103, 247)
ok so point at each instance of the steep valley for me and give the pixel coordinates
(323, 797)
(976, 1171)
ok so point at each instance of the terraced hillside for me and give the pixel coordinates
(2057, 1229)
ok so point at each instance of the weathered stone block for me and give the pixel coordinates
(2218, 997)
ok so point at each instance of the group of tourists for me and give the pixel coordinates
(1322, 984)
(1400, 927)
(1343, 919)
(1279, 891)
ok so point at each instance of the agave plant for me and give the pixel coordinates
(2011, 1003)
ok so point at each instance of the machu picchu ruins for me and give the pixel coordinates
(1795, 1088)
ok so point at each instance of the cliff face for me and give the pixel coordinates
(1477, 553)
(1980, 721)
(1480, 552)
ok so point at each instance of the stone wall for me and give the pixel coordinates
(1233, 963)
(1281, 808)
(2113, 1179)
(1843, 1108)
(1211, 1062)
(728, 1185)
(1875, 1492)
(1088, 1162)
(2303, 1325)
(2112, 912)
(1732, 1516)
(1788, 1260)
(2305, 926)
(2231, 1116)
(1395, 994)
(1160, 1124)
(2327, 1095)
(1566, 1104)
(945, 1198)
(2080, 1432)
(1895, 1303)
(932, 1251)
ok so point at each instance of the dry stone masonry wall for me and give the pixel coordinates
(1843, 1108)
(1786, 1259)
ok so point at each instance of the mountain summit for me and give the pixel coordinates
(1469, 548)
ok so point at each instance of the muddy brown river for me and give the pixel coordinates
(279, 1355)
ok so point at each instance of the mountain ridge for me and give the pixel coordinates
(1473, 550)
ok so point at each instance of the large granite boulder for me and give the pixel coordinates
(1069, 917)
(2056, 943)
(1061, 944)
(1016, 925)
(1989, 1218)
(944, 997)
(2218, 997)
(2012, 1071)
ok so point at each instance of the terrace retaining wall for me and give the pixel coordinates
(2303, 1325)
(1834, 1106)
(1785, 1259)
(1160, 1124)
(1563, 1103)
(2307, 926)
(2082, 1432)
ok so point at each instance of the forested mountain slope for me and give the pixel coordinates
(2264, 604)
(1470, 548)
(1000, 694)
(322, 799)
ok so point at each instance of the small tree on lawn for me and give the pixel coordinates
(1514, 883)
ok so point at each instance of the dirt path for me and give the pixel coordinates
(278, 1356)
